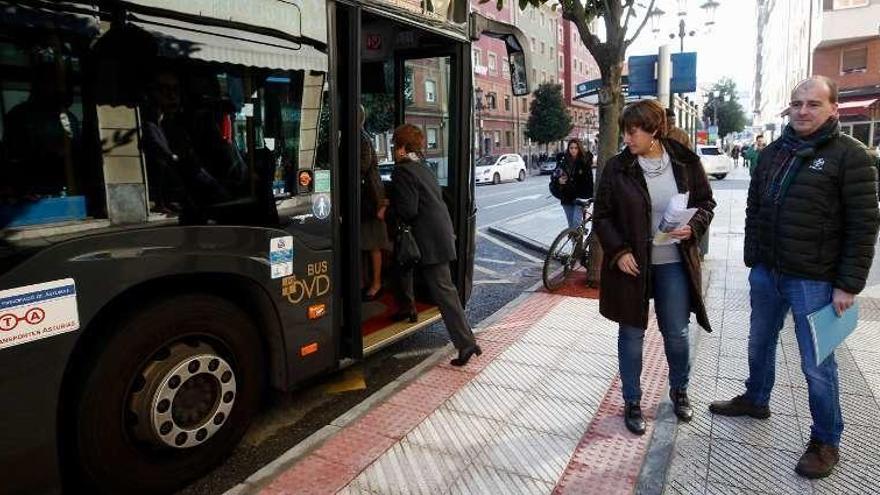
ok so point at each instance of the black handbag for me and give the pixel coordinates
(405, 247)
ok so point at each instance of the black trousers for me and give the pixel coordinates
(438, 280)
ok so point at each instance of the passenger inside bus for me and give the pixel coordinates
(374, 234)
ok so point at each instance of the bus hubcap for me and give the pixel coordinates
(186, 398)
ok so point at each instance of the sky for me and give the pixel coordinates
(727, 50)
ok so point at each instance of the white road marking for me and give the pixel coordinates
(510, 248)
(478, 268)
(517, 200)
(500, 262)
(487, 282)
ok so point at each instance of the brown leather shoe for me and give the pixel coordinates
(818, 461)
(739, 406)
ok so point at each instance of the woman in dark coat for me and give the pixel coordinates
(418, 202)
(374, 235)
(575, 181)
(634, 191)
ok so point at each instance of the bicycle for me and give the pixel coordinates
(571, 245)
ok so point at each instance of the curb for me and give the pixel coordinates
(519, 239)
(262, 477)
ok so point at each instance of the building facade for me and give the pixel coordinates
(849, 53)
(788, 32)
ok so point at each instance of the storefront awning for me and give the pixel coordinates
(180, 39)
(66, 16)
(856, 107)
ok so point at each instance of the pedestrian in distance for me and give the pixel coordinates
(810, 229)
(676, 133)
(573, 179)
(418, 201)
(755, 152)
(634, 191)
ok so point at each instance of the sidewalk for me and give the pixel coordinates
(540, 411)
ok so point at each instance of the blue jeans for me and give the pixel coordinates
(574, 214)
(772, 295)
(672, 305)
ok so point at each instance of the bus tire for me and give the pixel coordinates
(148, 368)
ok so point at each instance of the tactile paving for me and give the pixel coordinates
(552, 336)
(755, 468)
(488, 401)
(781, 399)
(533, 354)
(554, 415)
(511, 374)
(857, 410)
(410, 469)
(573, 386)
(586, 363)
(528, 452)
(483, 480)
(850, 478)
(455, 433)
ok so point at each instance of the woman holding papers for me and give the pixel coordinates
(640, 186)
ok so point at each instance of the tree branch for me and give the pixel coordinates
(642, 25)
(629, 14)
(573, 10)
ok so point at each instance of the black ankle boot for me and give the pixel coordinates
(632, 417)
(681, 404)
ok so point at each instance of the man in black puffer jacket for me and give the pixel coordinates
(811, 225)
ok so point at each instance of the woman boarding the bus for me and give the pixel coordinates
(418, 201)
(633, 194)
(575, 181)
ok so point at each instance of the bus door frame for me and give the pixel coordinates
(460, 103)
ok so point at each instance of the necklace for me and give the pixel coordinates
(654, 167)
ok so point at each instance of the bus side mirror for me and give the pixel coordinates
(519, 83)
(514, 39)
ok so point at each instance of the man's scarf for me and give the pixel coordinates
(790, 154)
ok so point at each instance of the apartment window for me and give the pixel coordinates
(491, 101)
(551, 52)
(430, 91)
(497, 136)
(507, 102)
(561, 61)
(524, 104)
(493, 62)
(535, 76)
(543, 76)
(855, 60)
(431, 138)
(542, 19)
(848, 4)
(533, 43)
(543, 46)
(508, 138)
(505, 67)
(477, 57)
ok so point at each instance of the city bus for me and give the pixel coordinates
(179, 215)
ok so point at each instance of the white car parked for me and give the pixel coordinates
(715, 162)
(497, 168)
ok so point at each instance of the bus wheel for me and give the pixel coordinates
(496, 179)
(170, 394)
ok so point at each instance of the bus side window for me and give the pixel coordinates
(47, 170)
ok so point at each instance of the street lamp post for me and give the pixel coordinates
(478, 104)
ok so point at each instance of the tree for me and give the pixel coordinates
(609, 54)
(549, 120)
(730, 113)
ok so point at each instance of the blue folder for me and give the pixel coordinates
(829, 330)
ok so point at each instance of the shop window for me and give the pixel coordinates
(862, 132)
